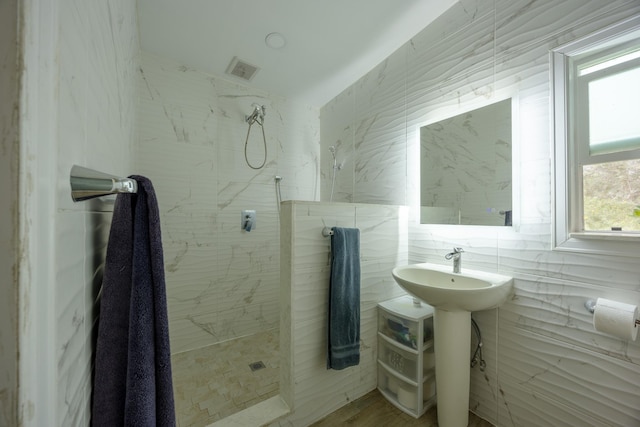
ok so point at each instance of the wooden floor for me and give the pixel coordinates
(373, 409)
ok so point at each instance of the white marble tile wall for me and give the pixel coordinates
(9, 96)
(222, 282)
(549, 366)
(309, 388)
(98, 48)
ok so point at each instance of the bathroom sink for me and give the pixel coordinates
(453, 296)
(438, 286)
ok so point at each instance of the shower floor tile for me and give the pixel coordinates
(214, 382)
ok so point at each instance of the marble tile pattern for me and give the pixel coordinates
(222, 282)
(310, 390)
(96, 70)
(9, 134)
(212, 383)
(546, 363)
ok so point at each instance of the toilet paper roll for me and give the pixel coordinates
(616, 318)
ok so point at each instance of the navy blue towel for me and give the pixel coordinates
(344, 299)
(132, 379)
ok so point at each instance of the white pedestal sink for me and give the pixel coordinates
(454, 296)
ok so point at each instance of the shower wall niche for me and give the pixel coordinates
(222, 282)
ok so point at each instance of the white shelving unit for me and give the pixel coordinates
(406, 361)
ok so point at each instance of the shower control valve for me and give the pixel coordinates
(248, 220)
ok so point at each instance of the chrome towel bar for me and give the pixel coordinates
(88, 183)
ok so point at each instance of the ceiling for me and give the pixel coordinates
(329, 43)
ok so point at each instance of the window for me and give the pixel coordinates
(596, 82)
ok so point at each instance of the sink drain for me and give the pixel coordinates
(256, 366)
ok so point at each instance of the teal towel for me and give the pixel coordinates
(344, 299)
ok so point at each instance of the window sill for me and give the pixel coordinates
(605, 243)
(608, 235)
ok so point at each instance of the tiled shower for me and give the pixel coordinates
(223, 281)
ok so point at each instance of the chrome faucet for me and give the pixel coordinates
(456, 255)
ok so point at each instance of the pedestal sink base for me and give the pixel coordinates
(453, 296)
(452, 334)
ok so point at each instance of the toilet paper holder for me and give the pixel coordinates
(590, 305)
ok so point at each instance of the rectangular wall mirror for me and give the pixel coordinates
(466, 166)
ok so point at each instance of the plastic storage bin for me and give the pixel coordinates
(406, 361)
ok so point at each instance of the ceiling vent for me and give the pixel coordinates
(242, 69)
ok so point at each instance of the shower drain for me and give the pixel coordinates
(256, 366)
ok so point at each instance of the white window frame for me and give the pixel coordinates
(569, 156)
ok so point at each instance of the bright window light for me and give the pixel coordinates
(614, 112)
(608, 64)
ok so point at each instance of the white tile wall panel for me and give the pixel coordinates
(380, 234)
(363, 380)
(523, 407)
(71, 319)
(235, 196)
(455, 20)
(296, 146)
(241, 319)
(520, 24)
(231, 166)
(532, 130)
(222, 282)
(483, 395)
(555, 309)
(432, 65)
(97, 58)
(336, 210)
(432, 243)
(338, 129)
(380, 153)
(74, 77)
(312, 248)
(535, 184)
(112, 48)
(378, 283)
(287, 322)
(383, 85)
(252, 258)
(312, 390)
(314, 297)
(525, 72)
(523, 250)
(602, 388)
(448, 98)
(188, 334)
(527, 255)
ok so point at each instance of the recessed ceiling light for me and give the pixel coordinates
(275, 40)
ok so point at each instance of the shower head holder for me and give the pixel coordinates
(257, 115)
